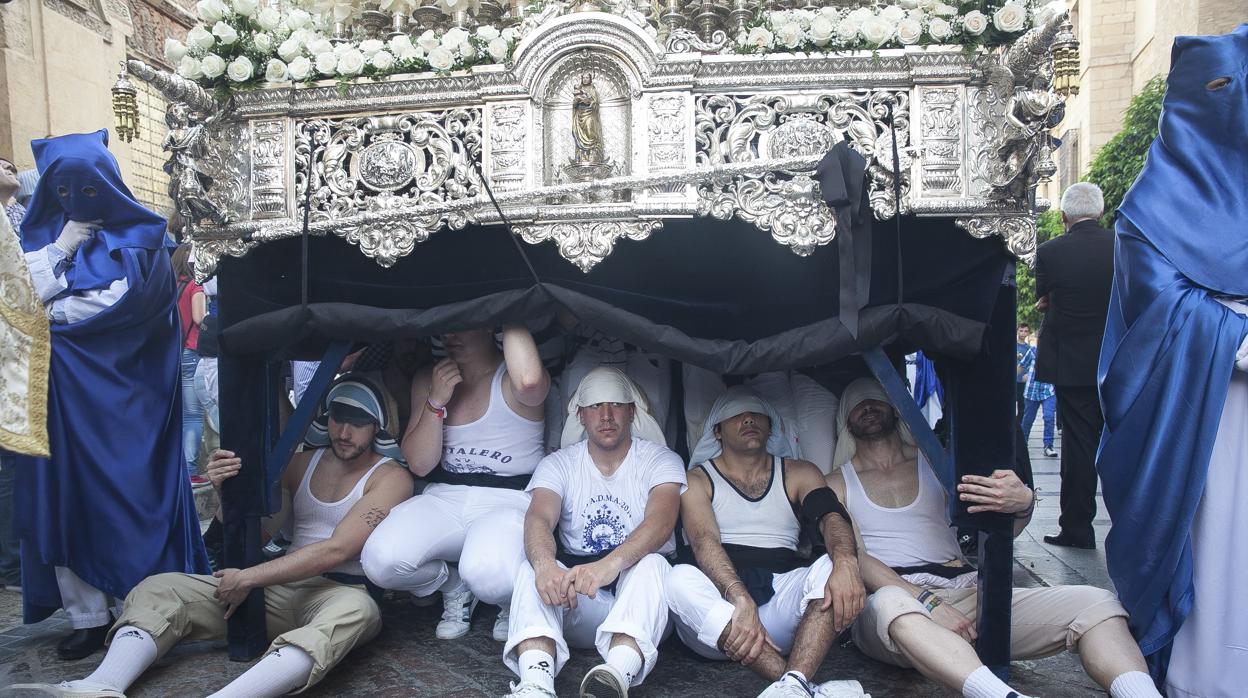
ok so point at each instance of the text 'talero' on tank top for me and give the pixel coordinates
(500, 442)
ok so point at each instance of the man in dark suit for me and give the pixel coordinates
(1074, 274)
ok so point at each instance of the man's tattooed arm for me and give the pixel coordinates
(373, 517)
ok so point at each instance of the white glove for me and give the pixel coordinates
(1241, 356)
(74, 234)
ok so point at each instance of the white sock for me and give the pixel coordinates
(627, 660)
(282, 671)
(1134, 684)
(982, 683)
(130, 653)
(796, 678)
(537, 667)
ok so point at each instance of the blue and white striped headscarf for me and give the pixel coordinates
(355, 392)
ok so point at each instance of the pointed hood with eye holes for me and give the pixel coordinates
(79, 180)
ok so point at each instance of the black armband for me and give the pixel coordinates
(821, 502)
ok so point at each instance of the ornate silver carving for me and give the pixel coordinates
(208, 254)
(268, 169)
(587, 243)
(685, 41)
(1019, 233)
(377, 164)
(507, 145)
(941, 131)
(668, 133)
(174, 87)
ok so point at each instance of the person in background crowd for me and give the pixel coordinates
(112, 505)
(1025, 358)
(9, 188)
(1038, 395)
(192, 306)
(1074, 273)
(28, 179)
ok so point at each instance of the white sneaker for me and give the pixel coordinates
(500, 624)
(457, 607)
(528, 689)
(65, 688)
(604, 681)
(785, 689)
(840, 689)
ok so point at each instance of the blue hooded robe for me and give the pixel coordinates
(113, 504)
(1169, 348)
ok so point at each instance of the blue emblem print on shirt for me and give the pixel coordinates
(603, 530)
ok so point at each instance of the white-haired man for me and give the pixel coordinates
(923, 606)
(750, 598)
(1074, 274)
(612, 494)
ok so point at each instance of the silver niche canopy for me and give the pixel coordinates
(596, 131)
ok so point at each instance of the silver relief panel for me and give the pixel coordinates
(508, 144)
(374, 164)
(268, 169)
(940, 132)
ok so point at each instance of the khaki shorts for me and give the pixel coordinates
(1043, 621)
(322, 617)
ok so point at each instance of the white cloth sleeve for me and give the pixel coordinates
(1241, 355)
(49, 283)
(550, 474)
(668, 468)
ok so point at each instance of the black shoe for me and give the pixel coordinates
(1070, 541)
(82, 643)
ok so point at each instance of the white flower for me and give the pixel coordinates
(412, 53)
(246, 8)
(909, 4)
(909, 31)
(400, 43)
(274, 71)
(174, 50)
(300, 68)
(199, 38)
(790, 35)
(512, 34)
(382, 60)
(759, 37)
(860, 15)
(224, 33)
(830, 12)
(454, 38)
(318, 46)
(351, 62)
(326, 63)
(487, 33)
(1050, 11)
(928, 4)
(468, 51)
(916, 15)
(240, 69)
(876, 31)
(263, 42)
(404, 6)
(441, 59)
(821, 30)
(893, 14)
(210, 11)
(974, 22)
(269, 19)
(498, 48)
(297, 19)
(1011, 17)
(370, 47)
(289, 50)
(945, 10)
(939, 29)
(428, 41)
(189, 68)
(212, 66)
(847, 29)
(450, 7)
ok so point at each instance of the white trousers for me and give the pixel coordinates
(86, 606)
(701, 614)
(638, 609)
(480, 527)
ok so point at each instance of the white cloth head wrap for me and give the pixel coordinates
(855, 393)
(737, 400)
(605, 384)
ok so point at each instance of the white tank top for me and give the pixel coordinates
(910, 536)
(766, 522)
(315, 520)
(500, 442)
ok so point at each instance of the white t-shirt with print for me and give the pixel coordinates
(599, 512)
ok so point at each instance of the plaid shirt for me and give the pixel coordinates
(1035, 390)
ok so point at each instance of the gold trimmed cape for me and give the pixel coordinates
(25, 350)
